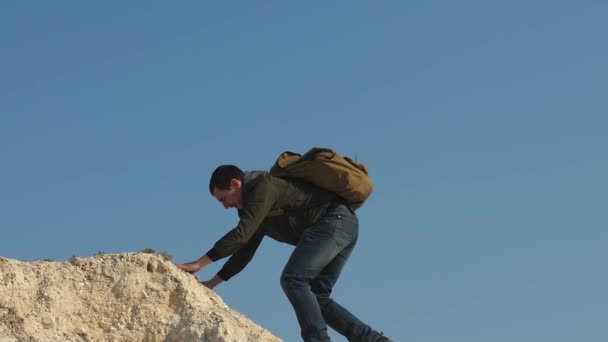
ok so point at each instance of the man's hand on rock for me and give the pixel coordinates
(212, 282)
(208, 284)
(190, 267)
(195, 266)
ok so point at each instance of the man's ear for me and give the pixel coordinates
(235, 183)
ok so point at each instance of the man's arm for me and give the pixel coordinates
(232, 267)
(237, 262)
(241, 258)
(259, 202)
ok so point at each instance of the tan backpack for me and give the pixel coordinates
(328, 170)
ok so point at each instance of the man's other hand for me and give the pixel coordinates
(208, 284)
(213, 282)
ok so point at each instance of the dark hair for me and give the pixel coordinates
(222, 176)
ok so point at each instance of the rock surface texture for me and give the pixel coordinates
(114, 297)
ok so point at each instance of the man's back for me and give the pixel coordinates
(298, 204)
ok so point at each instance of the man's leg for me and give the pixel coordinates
(318, 246)
(336, 316)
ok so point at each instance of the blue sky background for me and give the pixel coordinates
(483, 124)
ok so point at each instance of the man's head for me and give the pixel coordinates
(225, 186)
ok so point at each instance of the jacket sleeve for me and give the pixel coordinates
(237, 262)
(260, 199)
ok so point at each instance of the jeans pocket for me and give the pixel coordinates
(346, 230)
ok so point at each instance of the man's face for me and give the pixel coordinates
(231, 198)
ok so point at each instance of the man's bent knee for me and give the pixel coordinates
(323, 300)
(292, 281)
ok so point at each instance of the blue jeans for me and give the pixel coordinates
(312, 271)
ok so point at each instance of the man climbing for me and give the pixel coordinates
(319, 223)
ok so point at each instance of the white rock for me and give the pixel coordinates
(125, 297)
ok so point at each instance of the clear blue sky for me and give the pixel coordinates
(483, 124)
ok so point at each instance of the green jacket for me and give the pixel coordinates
(302, 203)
